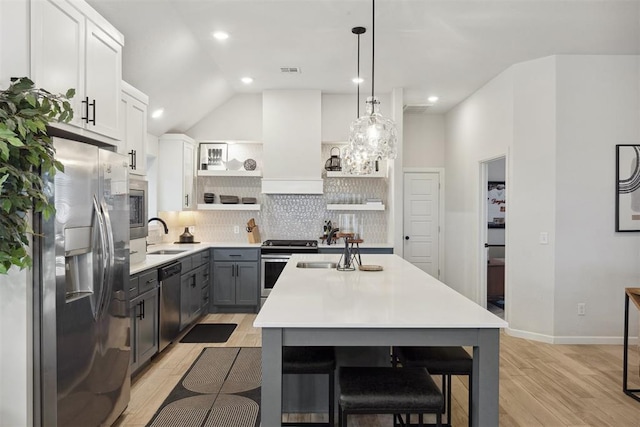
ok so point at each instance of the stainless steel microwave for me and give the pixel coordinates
(138, 192)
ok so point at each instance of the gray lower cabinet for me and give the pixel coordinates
(236, 279)
(143, 309)
(194, 288)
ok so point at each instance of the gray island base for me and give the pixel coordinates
(400, 306)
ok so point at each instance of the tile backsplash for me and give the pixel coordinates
(282, 216)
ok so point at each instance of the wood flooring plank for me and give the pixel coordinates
(540, 384)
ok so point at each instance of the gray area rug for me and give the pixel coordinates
(220, 389)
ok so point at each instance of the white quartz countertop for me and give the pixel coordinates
(400, 296)
(153, 261)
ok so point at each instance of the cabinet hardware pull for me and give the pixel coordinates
(141, 308)
(151, 281)
(187, 200)
(85, 117)
(93, 120)
(132, 164)
(235, 255)
(237, 270)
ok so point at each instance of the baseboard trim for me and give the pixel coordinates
(575, 340)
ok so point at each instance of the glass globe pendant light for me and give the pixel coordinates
(371, 136)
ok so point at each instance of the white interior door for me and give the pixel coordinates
(421, 220)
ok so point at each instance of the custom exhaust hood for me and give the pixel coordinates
(291, 132)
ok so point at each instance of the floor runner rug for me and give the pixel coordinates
(220, 389)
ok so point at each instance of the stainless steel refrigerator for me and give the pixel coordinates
(83, 265)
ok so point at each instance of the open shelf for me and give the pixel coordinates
(359, 207)
(256, 173)
(227, 207)
(334, 174)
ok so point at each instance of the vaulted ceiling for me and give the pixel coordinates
(447, 48)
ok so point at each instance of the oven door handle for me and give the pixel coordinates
(276, 257)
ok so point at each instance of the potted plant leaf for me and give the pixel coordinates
(26, 153)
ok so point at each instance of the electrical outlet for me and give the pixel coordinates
(236, 229)
(582, 309)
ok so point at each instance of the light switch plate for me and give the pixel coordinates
(544, 238)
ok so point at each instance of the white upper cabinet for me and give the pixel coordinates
(72, 46)
(176, 163)
(133, 119)
(103, 78)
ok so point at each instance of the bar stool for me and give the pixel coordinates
(444, 361)
(312, 360)
(386, 390)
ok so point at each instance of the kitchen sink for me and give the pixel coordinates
(316, 264)
(166, 252)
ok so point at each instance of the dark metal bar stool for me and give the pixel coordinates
(386, 390)
(312, 360)
(444, 361)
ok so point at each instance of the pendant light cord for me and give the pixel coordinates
(373, 43)
(358, 77)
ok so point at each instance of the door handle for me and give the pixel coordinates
(406, 237)
(86, 117)
(93, 104)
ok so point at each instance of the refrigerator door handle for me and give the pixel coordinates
(103, 246)
(110, 257)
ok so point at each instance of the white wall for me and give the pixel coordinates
(558, 119)
(240, 118)
(152, 175)
(597, 108)
(423, 140)
(15, 296)
(478, 129)
(529, 270)
(16, 349)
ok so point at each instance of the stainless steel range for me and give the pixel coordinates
(274, 256)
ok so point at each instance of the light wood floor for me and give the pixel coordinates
(540, 384)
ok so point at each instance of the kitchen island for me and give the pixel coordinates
(401, 305)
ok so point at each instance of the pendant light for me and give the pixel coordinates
(371, 136)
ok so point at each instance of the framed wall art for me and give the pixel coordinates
(213, 156)
(496, 204)
(627, 187)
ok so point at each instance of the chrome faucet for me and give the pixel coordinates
(166, 229)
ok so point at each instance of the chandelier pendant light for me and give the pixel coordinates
(371, 136)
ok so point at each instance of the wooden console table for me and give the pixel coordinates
(634, 295)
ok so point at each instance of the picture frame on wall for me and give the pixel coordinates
(496, 204)
(213, 156)
(628, 187)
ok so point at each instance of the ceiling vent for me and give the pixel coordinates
(416, 108)
(290, 70)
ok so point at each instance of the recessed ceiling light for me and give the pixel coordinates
(246, 80)
(220, 35)
(357, 80)
(433, 99)
(157, 113)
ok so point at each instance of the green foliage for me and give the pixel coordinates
(26, 152)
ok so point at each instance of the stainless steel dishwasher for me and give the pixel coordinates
(169, 277)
